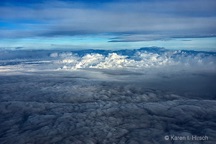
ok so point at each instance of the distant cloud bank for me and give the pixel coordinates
(133, 60)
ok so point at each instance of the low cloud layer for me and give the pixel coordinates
(59, 108)
(99, 96)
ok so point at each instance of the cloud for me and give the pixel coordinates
(157, 37)
(99, 96)
(63, 18)
(138, 60)
(59, 108)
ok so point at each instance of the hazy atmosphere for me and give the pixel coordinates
(107, 72)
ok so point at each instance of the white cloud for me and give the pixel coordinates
(141, 60)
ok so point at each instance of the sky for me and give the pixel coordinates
(107, 96)
(108, 24)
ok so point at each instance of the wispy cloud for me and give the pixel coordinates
(149, 20)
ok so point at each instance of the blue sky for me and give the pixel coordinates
(56, 24)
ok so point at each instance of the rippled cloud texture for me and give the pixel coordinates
(104, 96)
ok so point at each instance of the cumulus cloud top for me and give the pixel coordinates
(139, 60)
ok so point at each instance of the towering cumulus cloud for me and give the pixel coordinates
(147, 95)
(137, 59)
